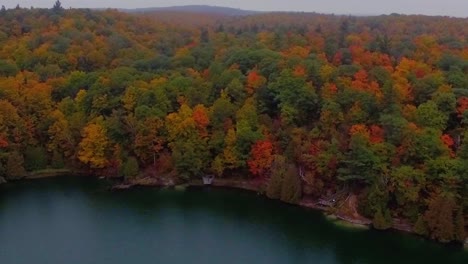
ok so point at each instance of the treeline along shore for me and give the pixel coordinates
(364, 116)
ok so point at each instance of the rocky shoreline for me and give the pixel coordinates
(342, 214)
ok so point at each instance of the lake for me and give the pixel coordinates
(77, 220)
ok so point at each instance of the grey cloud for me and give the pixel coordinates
(371, 7)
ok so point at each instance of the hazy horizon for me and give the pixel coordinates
(458, 8)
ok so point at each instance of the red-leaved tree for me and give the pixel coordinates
(261, 158)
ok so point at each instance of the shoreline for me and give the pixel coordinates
(335, 217)
(356, 222)
(49, 173)
(45, 173)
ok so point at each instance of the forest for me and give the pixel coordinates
(304, 105)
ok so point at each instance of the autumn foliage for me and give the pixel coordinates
(304, 105)
(462, 106)
(261, 158)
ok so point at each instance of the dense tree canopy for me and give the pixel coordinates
(305, 104)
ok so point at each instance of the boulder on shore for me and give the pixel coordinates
(2, 180)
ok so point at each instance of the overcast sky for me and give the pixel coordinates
(428, 7)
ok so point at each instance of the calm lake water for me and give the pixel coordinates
(75, 220)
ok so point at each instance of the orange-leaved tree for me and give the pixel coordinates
(261, 157)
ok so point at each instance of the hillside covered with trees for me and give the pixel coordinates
(304, 105)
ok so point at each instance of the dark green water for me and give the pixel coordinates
(70, 220)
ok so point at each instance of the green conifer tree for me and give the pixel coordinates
(291, 187)
(15, 166)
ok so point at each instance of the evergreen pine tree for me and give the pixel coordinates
(57, 160)
(14, 166)
(420, 227)
(275, 182)
(291, 190)
(460, 226)
(35, 158)
(57, 6)
(439, 218)
(130, 168)
(381, 220)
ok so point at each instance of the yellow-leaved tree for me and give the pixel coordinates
(93, 146)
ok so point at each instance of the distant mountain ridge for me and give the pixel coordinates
(203, 9)
(229, 11)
